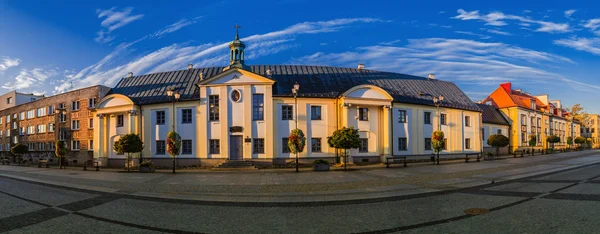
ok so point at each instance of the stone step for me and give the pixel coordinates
(235, 165)
(247, 168)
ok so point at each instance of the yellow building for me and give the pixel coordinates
(592, 128)
(242, 112)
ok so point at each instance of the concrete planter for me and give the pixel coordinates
(321, 167)
(146, 170)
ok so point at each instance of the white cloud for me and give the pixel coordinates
(175, 26)
(175, 56)
(390, 42)
(114, 19)
(441, 12)
(499, 19)
(8, 62)
(481, 36)
(568, 13)
(30, 78)
(499, 32)
(464, 61)
(593, 25)
(591, 45)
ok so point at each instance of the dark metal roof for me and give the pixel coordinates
(492, 115)
(315, 81)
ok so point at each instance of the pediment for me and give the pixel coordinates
(236, 77)
(114, 100)
(367, 92)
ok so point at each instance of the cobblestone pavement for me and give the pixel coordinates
(288, 186)
(566, 201)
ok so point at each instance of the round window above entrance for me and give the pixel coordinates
(236, 95)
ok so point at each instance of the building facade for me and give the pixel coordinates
(14, 98)
(533, 116)
(242, 112)
(591, 129)
(494, 122)
(39, 123)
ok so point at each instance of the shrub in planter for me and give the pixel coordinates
(321, 165)
(147, 166)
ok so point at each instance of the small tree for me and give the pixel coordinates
(437, 143)
(532, 142)
(60, 150)
(588, 142)
(19, 150)
(580, 141)
(497, 141)
(345, 138)
(296, 143)
(570, 142)
(128, 144)
(173, 146)
(552, 139)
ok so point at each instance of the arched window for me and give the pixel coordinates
(236, 55)
(231, 58)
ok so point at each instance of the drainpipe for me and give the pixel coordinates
(141, 130)
(337, 123)
(392, 132)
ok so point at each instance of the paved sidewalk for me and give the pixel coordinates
(306, 186)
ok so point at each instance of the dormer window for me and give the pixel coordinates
(533, 104)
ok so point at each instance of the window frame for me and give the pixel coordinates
(364, 148)
(161, 120)
(316, 112)
(285, 148)
(443, 119)
(427, 117)
(214, 146)
(120, 122)
(287, 112)
(363, 114)
(402, 118)
(258, 145)
(428, 147)
(402, 144)
(258, 106)
(468, 143)
(161, 147)
(186, 118)
(183, 147)
(467, 121)
(318, 147)
(213, 107)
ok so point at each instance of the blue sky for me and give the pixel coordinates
(541, 47)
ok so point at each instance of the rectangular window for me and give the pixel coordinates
(50, 127)
(160, 117)
(427, 143)
(364, 145)
(315, 145)
(258, 107)
(50, 110)
(287, 112)
(75, 124)
(9, 100)
(62, 118)
(186, 147)
(91, 102)
(75, 105)
(363, 114)
(315, 112)
(186, 116)
(258, 145)
(91, 146)
(41, 112)
(41, 128)
(30, 130)
(91, 124)
(402, 144)
(468, 143)
(284, 145)
(401, 116)
(214, 146)
(160, 147)
(427, 118)
(523, 138)
(445, 144)
(443, 119)
(467, 121)
(30, 114)
(75, 145)
(120, 121)
(523, 120)
(213, 102)
(22, 116)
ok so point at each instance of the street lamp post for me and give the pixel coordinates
(295, 92)
(437, 101)
(174, 96)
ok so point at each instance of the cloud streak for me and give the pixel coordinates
(176, 56)
(499, 19)
(175, 26)
(591, 45)
(114, 19)
(28, 78)
(8, 62)
(464, 61)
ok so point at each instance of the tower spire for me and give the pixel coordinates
(236, 52)
(237, 36)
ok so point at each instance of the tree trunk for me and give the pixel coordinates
(345, 158)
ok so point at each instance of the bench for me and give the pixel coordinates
(516, 152)
(392, 159)
(94, 164)
(5, 161)
(471, 154)
(43, 162)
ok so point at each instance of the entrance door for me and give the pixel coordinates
(235, 148)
